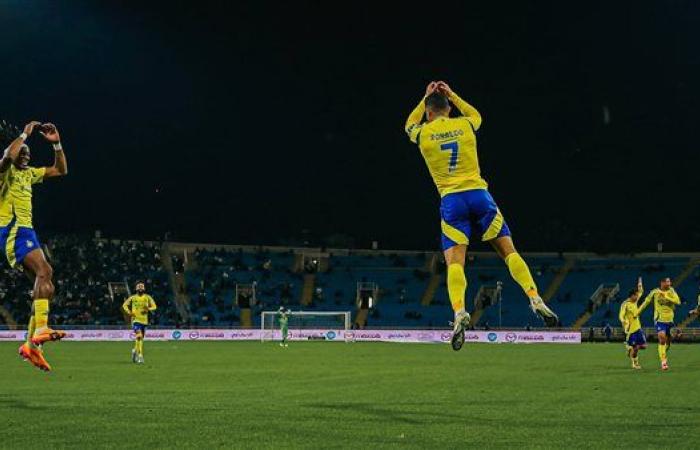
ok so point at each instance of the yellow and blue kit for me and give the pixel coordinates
(629, 317)
(17, 236)
(139, 305)
(664, 305)
(448, 146)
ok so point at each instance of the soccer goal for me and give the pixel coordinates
(316, 323)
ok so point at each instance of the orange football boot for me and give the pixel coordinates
(48, 335)
(35, 356)
(24, 352)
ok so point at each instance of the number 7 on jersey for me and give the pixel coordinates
(454, 148)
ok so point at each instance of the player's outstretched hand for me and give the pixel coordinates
(432, 86)
(29, 128)
(444, 88)
(50, 133)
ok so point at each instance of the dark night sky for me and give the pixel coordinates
(247, 122)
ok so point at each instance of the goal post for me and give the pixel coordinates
(303, 320)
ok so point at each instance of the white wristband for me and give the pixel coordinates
(57, 146)
(23, 136)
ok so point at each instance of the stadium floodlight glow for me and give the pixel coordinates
(303, 320)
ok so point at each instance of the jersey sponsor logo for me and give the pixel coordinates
(446, 135)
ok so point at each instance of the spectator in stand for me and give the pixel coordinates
(607, 331)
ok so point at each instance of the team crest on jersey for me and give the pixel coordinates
(30, 244)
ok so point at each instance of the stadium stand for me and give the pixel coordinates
(228, 286)
(83, 270)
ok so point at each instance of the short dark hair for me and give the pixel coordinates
(139, 282)
(436, 101)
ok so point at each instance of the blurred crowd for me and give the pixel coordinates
(83, 270)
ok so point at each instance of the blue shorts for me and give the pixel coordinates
(470, 211)
(665, 327)
(136, 326)
(637, 339)
(17, 242)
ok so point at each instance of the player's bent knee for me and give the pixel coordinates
(456, 255)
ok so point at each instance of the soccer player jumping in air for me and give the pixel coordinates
(448, 146)
(137, 308)
(629, 316)
(17, 236)
(665, 300)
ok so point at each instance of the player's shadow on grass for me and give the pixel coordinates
(372, 409)
(13, 403)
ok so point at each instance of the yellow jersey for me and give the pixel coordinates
(139, 306)
(629, 314)
(664, 304)
(16, 194)
(448, 146)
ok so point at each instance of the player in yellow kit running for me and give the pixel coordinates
(629, 317)
(448, 146)
(137, 307)
(18, 239)
(665, 301)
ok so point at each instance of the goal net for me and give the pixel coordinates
(323, 322)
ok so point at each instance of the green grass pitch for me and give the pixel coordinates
(337, 395)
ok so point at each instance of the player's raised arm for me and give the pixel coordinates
(413, 123)
(60, 167)
(640, 289)
(646, 301)
(465, 108)
(697, 308)
(12, 151)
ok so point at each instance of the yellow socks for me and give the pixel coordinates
(662, 352)
(456, 286)
(30, 330)
(521, 273)
(139, 347)
(41, 315)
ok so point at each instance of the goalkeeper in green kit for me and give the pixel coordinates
(283, 317)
